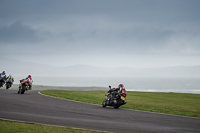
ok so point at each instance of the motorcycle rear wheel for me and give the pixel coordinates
(116, 107)
(119, 103)
(104, 103)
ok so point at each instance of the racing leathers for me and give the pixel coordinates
(10, 78)
(29, 80)
(3, 76)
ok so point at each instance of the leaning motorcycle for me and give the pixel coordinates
(24, 86)
(8, 83)
(118, 100)
(2, 82)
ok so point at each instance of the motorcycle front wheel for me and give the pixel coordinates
(23, 89)
(8, 86)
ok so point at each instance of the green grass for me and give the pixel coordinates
(17, 127)
(170, 103)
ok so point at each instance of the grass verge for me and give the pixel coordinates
(169, 103)
(17, 127)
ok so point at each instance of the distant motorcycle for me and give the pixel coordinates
(24, 86)
(2, 82)
(8, 83)
(114, 99)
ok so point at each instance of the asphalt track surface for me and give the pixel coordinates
(33, 107)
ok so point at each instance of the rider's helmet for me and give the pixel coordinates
(10, 75)
(121, 86)
(29, 76)
(3, 72)
(123, 90)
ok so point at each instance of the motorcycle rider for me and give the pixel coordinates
(10, 78)
(121, 89)
(27, 79)
(3, 77)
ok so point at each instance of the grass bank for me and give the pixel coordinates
(17, 127)
(170, 103)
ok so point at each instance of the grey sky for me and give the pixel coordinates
(133, 33)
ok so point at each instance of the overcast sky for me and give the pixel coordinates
(113, 33)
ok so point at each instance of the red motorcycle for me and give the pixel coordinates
(24, 85)
(114, 99)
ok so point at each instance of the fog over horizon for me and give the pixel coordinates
(111, 34)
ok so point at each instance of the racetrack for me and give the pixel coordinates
(33, 107)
